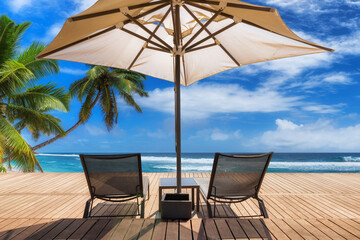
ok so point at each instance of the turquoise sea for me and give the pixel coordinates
(202, 162)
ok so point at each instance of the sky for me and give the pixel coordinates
(302, 104)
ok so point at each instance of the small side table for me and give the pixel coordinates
(170, 183)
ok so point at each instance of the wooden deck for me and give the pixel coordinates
(300, 206)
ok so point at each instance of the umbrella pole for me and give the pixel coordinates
(177, 99)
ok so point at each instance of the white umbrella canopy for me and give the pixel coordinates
(179, 41)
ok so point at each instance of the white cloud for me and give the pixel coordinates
(322, 135)
(82, 5)
(325, 80)
(324, 109)
(94, 130)
(304, 6)
(52, 32)
(17, 5)
(353, 2)
(201, 101)
(72, 71)
(216, 134)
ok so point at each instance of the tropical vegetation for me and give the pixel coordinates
(104, 86)
(23, 103)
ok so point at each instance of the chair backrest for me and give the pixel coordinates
(238, 176)
(113, 175)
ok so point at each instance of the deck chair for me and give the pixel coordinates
(115, 178)
(235, 178)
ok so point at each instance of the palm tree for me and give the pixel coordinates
(102, 86)
(22, 103)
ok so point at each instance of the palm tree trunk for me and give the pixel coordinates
(43, 144)
(81, 121)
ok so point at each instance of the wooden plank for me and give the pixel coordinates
(96, 229)
(185, 230)
(275, 230)
(198, 231)
(260, 227)
(339, 230)
(223, 228)
(134, 229)
(31, 229)
(248, 228)
(210, 229)
(159, 230)
(121, 229)
(109, 229)
(286, 229)
(172, 230)
(58, 229)
(44, 230)
(69, 230)
(147, 229)
(236, 229)
(19, 228)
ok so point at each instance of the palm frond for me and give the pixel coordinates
(44, 123)
(43, 98)
(17, 148)
(81, 88)
(89, 103)
(128, 98)
(13, 76)
(10, 36)
(39, 67)
(107, 104)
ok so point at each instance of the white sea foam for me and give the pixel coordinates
(319, 166)
(351, 159)
(186, 168)
(291, 166)
(57, 155)
(173, 159)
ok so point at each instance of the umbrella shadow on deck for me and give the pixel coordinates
(129, 228)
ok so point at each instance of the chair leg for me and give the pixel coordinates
(262, 208)
(148, 192)
(209, 208)
(142, 208)
(87, 206)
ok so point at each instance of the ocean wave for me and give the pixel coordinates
(173, 159)
(316, 166)
(351, 159)
(290, 166)
(186, 168)
(57, 155)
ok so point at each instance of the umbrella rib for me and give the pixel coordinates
(209, 9)
(149, 38)
(258, 26)
(208, 32)
(202, 27)
(147, 12)
(116, 10)
(148, 31)
(211, 36)
(202, 47)
(156, 49)
(235, 5)
(144, 39)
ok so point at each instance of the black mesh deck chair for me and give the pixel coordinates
(115, 178)
(235, 178)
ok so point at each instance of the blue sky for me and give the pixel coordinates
(302, 104)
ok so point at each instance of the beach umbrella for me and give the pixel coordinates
(179, 41)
